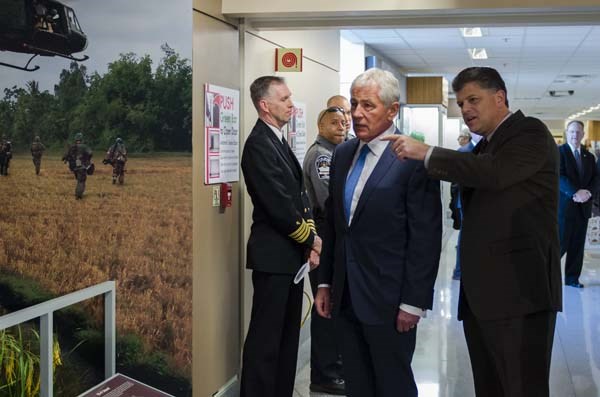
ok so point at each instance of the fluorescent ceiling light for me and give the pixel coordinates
(478, 53)
(584, 112)
(471, 32)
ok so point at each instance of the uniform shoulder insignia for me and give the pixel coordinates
(322, 164)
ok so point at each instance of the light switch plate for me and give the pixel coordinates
(216, 195)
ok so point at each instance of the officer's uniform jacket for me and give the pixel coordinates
(316, 175)
(282, 226)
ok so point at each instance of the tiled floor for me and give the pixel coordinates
(441, 362)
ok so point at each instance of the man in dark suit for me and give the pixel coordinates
(281, 235)
(578, 184)
(382, 243)
(511, 283)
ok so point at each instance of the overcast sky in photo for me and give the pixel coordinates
(112, 27)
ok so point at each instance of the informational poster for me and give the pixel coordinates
(122, 386)
(295, 131)
(222, 134)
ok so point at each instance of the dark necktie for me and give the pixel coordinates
(353, 180)
(578, 161)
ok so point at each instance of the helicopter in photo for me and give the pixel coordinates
(40, 27)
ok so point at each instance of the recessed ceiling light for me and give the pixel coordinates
(471, 32)
(478, 53)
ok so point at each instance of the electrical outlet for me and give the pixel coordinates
(216, 195)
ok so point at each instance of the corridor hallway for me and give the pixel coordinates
(441, 361)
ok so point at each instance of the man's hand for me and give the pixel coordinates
(313, 259)
(317, 245)
(406, 147)
(315, 253)
(323, 302)
(405, 321)
(582, 195)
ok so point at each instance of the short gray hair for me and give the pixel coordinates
(259, 89)
(389, 87)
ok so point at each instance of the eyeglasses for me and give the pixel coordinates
(331, 109)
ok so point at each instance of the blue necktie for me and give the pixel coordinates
(578, 161)
(353, 180)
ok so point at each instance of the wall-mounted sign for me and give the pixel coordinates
(288, 59)
(122, 386)
(295, 130)
(222, 134)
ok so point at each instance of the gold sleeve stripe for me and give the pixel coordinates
(295, 234)
(302, 233)
(304, 236)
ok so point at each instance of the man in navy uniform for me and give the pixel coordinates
(281, 237)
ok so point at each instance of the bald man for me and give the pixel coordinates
(342, 102)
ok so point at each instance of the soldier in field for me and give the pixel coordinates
(117, 157)
(5, 155)
(37, 150)
(79, 158)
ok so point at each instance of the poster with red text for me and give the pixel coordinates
(222, 134)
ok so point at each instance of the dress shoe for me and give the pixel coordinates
(332, 386)
(575, 284)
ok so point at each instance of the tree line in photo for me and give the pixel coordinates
(150, 111)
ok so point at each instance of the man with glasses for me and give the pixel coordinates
(341, 102)
(325, 366)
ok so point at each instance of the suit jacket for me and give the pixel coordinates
(571, 181)
(509, 240)
(282, 228)
(390, 252)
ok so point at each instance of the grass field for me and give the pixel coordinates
(139, 234)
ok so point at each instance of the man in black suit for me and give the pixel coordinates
(281, 236)
(382, 243)
(578, 184)
(511, 283)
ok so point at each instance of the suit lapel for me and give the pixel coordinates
(572, 164)
(344, 157)
(289, 158)
(585, 157)
(382, 167)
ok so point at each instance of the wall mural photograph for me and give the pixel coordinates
(96, 185)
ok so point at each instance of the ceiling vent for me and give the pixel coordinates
(558, 94)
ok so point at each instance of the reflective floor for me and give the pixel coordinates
(441, 362)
